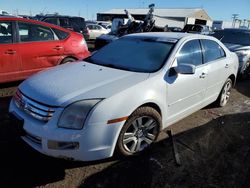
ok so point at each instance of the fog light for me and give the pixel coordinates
(62, 145)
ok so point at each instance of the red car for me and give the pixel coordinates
(28, 46)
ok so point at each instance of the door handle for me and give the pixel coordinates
(58, 48)
(203, 75)
(226, 66)
(10, 52)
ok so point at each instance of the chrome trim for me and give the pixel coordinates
(33, 108)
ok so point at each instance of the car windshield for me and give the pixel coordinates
(233, 37)
(133, 54)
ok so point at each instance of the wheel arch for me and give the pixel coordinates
(233, 78)
(73, 57)
(152, 105)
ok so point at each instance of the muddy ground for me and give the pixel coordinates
(213, 145)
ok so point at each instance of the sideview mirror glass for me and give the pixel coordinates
(185, 69)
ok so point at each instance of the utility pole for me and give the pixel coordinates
(234, 17)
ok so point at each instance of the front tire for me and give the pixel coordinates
(139, 132)
(225, 93)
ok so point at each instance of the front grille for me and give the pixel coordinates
(33, 108)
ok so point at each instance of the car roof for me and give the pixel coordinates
(4, 18)
(170, 35)
(60, 16)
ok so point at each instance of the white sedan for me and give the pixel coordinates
(96, 31)
(121, 97)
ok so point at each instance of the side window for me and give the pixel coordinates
(60, 34)
(32, 32)
(51, 20)
(212, 50)
(6, 35)
(64, 22)
(190, 53)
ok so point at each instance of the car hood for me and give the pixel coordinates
(108, 37)
(236, 47)
(68, 83)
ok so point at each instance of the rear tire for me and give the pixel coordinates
(225, 93)
(67, 60)
(139, 132)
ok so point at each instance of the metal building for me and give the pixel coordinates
(172, 17)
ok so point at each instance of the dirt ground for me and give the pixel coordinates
(213, 145)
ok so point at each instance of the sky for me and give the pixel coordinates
(216, 9)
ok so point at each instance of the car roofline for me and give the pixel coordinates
(34, 22)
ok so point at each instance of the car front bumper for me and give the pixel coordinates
(94, 142)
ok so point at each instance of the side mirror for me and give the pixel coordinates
(185, 69)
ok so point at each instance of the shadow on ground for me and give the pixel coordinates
(216, 154)
(244, 87)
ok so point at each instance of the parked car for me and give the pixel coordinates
(106, 25)
(238, 41)
(96, 30)
(74, 23)
(119, 100)
(197, 28)
(28, 46)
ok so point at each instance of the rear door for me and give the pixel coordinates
(9, 55)
(39, 47)
(215, 61)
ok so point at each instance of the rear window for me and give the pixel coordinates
(78, 22)
(64, 22)
(61, 34)
(51, 20)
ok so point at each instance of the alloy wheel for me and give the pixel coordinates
(226, 93)
(140, 134)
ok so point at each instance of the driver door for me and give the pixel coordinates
(186, 92)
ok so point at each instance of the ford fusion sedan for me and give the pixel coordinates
(238, 41)
(120, 98)
(28, 46)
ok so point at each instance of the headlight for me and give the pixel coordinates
(242, 55)
(74, 116)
